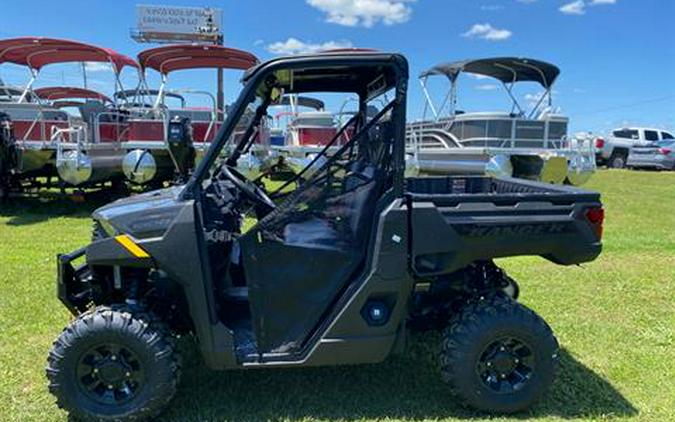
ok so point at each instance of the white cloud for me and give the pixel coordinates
(486, 87)
(258, 42)
(364, 12)
(477, 76)
(97, 67)
(295, 46)
(487, 32)
(577, 7)
(533, 99)
(491, 7)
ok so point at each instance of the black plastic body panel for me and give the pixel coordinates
(458, 220)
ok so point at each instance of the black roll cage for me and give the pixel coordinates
(256, 75)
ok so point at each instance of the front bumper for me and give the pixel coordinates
(72, 282)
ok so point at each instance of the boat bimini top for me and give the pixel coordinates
(37, 52)
(507, 70)
(54, 93)
(170, 58)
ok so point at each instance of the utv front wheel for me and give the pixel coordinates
(498, 356)
(111, 365)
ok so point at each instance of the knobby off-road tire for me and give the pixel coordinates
(498, 356)
(112, 364)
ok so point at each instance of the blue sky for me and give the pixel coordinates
(617, 56)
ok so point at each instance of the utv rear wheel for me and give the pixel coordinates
(498, 356)
(113, 365)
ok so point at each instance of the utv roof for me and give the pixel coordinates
(63, 92)
(337, 71)
(36, 52)
(505, 69)
(170, 58)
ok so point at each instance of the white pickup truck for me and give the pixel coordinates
(613, 150)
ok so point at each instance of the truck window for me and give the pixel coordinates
(626, 134)
(666, 135)
(651, 135)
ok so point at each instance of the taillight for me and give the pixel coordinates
(599, 143)
(596, 216)
(665, 151)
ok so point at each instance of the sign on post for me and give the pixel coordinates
(156, 23)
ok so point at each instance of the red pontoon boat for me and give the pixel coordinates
(84, 151)
(150, 156)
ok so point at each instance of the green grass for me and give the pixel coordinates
(614, 318)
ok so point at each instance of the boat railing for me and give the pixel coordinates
(72, 136)
(116, 118)
(214, 110)
(438, 138)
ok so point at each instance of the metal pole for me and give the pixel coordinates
(84, 74)
(220, 103)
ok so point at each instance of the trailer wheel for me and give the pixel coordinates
(498, 356)
(113, 365)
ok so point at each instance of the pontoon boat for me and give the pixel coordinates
(150, 157)
(517, 143)
(83, 151)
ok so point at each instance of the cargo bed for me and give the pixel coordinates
(456, 220)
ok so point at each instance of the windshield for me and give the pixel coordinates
(245, 124)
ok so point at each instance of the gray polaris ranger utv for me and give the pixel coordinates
(334, 271)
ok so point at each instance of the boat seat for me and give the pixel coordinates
(90, 109)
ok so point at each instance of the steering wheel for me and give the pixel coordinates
(252, 191)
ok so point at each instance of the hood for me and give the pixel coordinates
(141, 216)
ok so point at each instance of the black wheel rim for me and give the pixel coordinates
(110, 374)
(506, 365)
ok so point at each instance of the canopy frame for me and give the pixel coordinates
(507, 70)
